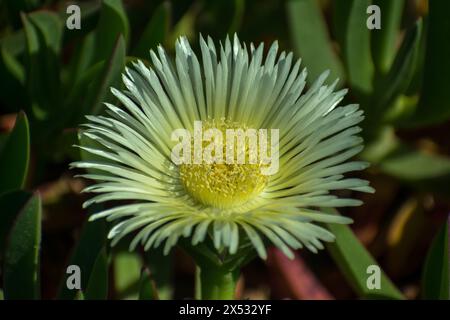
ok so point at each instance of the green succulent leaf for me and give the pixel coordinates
(127, 274)
(109, 77)
(155, 32)
(11, 204)
(113, 23)
(310, 39)
(161, 268)
(147, 290)
(402, 70)
(12, 77)
(79, 295)
(14, 42)
(239, 9)
(43, 32)
(185, 26)
(97, 287)
(93, 88)
(434, 105)
(13, 66)
(82, 59)
(14, 156)
(15, 7)
(384, 39)
(350, 17)
(397, 81)
(414, 165)
(435, 281)
(86, 255)
(354, 260)
(21, 265)
(77, 104)
(12, 72)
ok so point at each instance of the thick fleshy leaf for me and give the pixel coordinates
(43, 32)
(435, 282)
(97, 288)
(185, 26)
(388, 98)
(77, 101)
(354, 260)
(93, 87)
(81, 60)
(99, 90)
(383, 144)
(11, 203)
(127, 274)
(155, 32)
(147, 288)
(402, 70)
(14, 156)
(310, 39)
(13, 66)
(414, 165)
(12, 77)
(21, 265)
(239, 9)
(403, 232)
(418, 168)
(79, 295)
(384, 39)
(113, 23)
(161, 268)
(91, 243)
(354, 37)
(15, 7)
(434, 105)
(14, 42)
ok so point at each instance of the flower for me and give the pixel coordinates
(233, 87)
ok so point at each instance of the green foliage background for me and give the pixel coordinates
(51, 77)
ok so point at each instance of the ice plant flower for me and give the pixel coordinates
(232, 86)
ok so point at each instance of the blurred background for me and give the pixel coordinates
(51, 75)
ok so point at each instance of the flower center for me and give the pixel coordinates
(228, 182)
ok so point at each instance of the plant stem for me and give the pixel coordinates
(218, 283)
(198, 284)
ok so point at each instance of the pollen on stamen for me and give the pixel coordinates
(223, 185)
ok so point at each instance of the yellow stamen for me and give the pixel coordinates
(223, 185)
